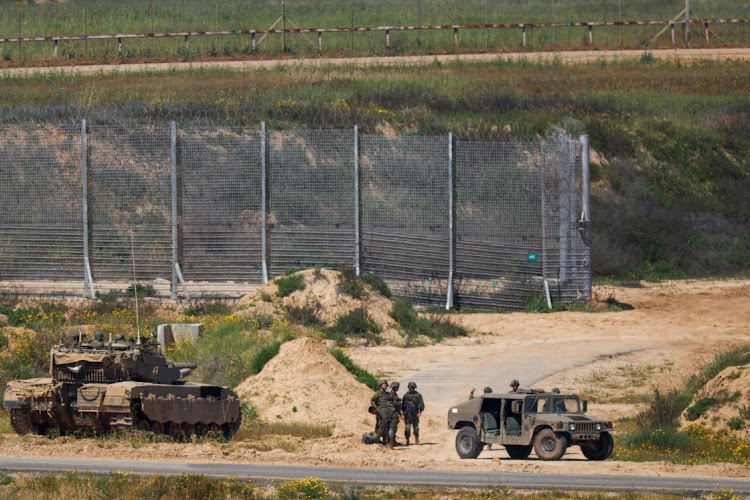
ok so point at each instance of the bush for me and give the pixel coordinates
(263, 355)
(736, 423)
(141, 290)
(407, 317)
(349, 282)
(289, 284)
(377, 283)
(362, 375)
(663, 411)
(303, 315)
(356, 322)
(310, 487)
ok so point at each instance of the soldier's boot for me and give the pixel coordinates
(407, 441)
(416, 439)
(389, 445)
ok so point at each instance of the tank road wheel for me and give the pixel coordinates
(214, 431)
(518, 452)
(20, 420)
(468, 444)
(175, 431)
(600, 449)
(201, 429)
(142, 424)
(157, 428)
(228, 430)
(188, 430)
(550, 446)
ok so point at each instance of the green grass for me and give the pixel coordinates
(362, 375)
(136, 16)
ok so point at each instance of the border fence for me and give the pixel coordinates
(214, 212)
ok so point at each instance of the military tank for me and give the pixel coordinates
(100, 387)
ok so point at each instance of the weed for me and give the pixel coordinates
(350, 284)
(663, 411)
(265, 297)
(377, 283)
(362, 375)
(141, 290)
(309, 487)
(303, 315)
(263, 355)
(355, 323)
(736, 423)
(289, 284)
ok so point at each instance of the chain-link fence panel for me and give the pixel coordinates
(40, 209)
(311, 205)
(566, 259)
(498, 224)
(220, 201)
(405, 214)
(130, 202)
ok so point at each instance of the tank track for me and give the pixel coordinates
(20, 420)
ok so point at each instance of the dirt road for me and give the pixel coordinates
(570, 57)
(673, 327)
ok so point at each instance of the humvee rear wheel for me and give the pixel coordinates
(468, 444)
(518, 452)
(175, 431)
(157, 428)
(550, 446)
(601, 449)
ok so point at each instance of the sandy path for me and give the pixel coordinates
(570, 57)
(673, 328)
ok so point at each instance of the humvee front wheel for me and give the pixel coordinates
(467, 443)
(600, 449)
(518, 452)
(550, 446)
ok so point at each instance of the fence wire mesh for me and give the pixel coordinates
(40, 207)
(405, 219)
(500, 217)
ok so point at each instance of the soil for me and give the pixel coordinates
(612, 358)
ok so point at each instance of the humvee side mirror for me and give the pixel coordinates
(585, 405)
(515, 406)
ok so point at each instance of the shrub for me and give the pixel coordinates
(407, 317)
(443, 327)
(263, 356)
(350, 283)
(362, 375)
(377, 283)
(289, 284)
(736, 423)
(22, 316)
(141, 290)
(357, 322)
(663, 411)
(303, 315)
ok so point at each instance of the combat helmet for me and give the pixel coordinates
(395, 385)
(412, 384)
(384, 381)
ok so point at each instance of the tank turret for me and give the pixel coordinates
(97, 386)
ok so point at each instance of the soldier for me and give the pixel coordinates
(413, 407)
(98, 340)
(381, 401)
(514, 385)
(392, 426)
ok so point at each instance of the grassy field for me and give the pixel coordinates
(77, 17)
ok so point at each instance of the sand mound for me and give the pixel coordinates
(304, 383)
(322, 294)
(731, 385)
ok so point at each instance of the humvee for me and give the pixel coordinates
(545, 421)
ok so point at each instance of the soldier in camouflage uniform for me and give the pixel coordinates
(387, 408)
(413, 405)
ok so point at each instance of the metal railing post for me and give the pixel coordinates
(88, 281)
(263, 196)
(357, 239)
(585, 224)
(173, 175)
(451, 235)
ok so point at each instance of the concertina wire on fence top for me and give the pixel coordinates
(452, 223)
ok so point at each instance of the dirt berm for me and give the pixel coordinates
(304, 383)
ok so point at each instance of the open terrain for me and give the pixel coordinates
(613, 358)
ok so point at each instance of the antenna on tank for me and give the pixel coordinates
(135, 290)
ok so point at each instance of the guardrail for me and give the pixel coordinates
(705, 23)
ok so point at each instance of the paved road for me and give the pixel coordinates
(574, 56)
(516, 480)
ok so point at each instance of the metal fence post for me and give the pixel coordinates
(173, 151)
(451, 235)
(357, 240)
(263, 191)
(88, 281)
(586, 206)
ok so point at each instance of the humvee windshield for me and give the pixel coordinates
(552, 404)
